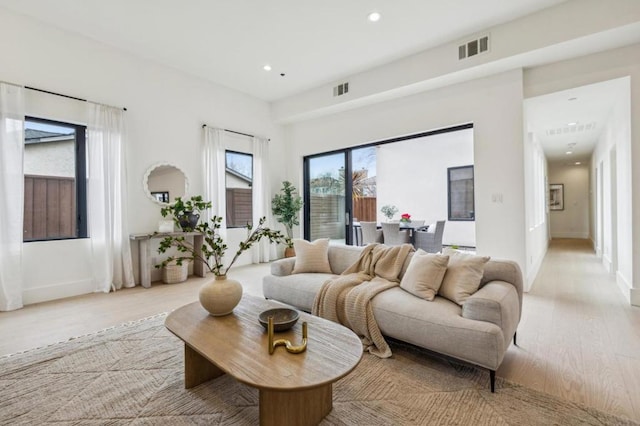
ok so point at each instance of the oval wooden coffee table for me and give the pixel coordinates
(295, 389)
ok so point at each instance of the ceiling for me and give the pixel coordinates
(572, 120)
(229, 42)
(311, 43)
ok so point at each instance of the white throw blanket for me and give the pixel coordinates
(347, 299)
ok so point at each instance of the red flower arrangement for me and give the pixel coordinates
(406, 217)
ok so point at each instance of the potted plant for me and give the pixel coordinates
(221, 295)
(285, 207)
(186, 213)
(389, 211)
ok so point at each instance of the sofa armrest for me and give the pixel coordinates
(283, 267)
(496, 302)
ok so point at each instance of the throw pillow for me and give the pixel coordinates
(424, 274)
(311, 257)
(463, 276)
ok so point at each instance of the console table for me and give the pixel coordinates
(144, 253)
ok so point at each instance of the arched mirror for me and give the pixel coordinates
(164, 182)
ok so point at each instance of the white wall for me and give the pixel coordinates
(611, 156)
(420, 189)
(537, 235)
(493, 105)
(625, 130)
(166, 110)
(573, 221)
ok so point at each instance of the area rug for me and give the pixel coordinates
(133, 375)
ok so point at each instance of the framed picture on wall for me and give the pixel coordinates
(556, 196)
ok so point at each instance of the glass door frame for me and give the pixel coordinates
(348, 195)
(349, 176)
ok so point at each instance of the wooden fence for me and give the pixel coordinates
(49, 207)
(364, 209)
(239, 207)
(328, 214)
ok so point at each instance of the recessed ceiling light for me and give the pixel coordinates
(573, 123)
(569, 152)
(577, 163)
(267, 67)
(374, 16)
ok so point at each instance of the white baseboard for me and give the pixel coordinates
(627, 291)
(58, 291)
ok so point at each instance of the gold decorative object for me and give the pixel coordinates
(286, 343)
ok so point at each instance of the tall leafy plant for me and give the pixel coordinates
(285, 206)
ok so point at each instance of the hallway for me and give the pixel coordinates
(578, 338)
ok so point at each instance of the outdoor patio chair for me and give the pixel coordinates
(392, 234)
(370, 233)
(430, 240)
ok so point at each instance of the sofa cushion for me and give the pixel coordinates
(424, 274)
(439, 327)
(463, 276)
(341, 257)
(298, 290)
(311, 256)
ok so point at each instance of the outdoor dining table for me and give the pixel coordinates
(403, 226)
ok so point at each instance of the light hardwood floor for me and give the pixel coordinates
(578, 338)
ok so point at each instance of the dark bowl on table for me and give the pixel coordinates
(283, 318)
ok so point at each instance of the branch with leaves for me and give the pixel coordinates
(214, 247)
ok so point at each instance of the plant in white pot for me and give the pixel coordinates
(285, 207)
(220, 295)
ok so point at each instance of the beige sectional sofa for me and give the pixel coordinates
(478, 332)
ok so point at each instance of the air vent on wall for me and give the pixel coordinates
(474, 47)
(341, 89)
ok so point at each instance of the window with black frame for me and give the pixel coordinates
(461, 193)
(54, 180)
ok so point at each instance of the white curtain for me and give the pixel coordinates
(11, 195)
(214, 175)
(107, 198)
(263, 251)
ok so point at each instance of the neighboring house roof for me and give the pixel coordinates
(239, 175)
(40, 136)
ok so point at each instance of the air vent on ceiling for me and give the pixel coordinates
(565, 130)
(341, 89)
(474, 47)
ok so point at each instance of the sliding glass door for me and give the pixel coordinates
(408, 173)
(340, 190)
(327, 206)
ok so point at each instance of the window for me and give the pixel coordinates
(461, 203)
(54, 180)
(239, 183)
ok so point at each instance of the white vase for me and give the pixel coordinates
(220, 295)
